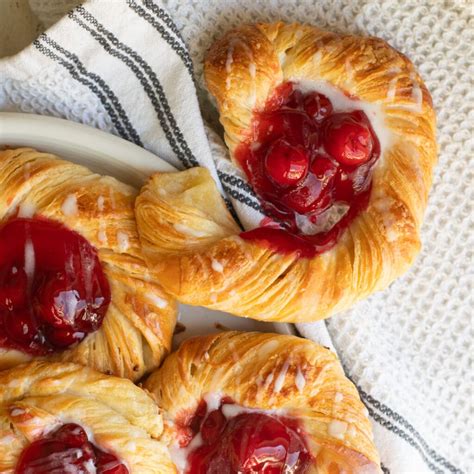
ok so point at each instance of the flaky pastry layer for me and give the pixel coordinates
(137, 330)
(290, 375)
(189, 237)
(39, 397)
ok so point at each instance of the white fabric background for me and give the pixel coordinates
(411, 345)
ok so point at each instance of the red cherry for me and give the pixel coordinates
(108, 464)
(212, 426)
(286, 164)
(65, 297)
(292, 125)
(251, 443)
(63, 338)
(70, 451)
(13, 293)
(294, 100)
(57, 302)
(313, 194)
(323, 168)
(318, 106)
(72, 435)
(21, 327)
(348, 139)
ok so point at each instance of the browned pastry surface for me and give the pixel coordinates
(271, 372)
(192, 242)
(123, 419)
(137, 330)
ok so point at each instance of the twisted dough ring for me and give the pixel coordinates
(38, 397)
(268, 372)
(192, 242)
(137, 329)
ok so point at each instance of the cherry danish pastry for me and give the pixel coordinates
(251, 402)
(335, 135)
(74, 285)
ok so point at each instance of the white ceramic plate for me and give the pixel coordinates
(107, 154)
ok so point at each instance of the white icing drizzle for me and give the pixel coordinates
(157, 301)
(100, 203)
(416, 94)
(392, 89)
(282, 58)
(228, 64)
(102, 234)
(300, 381)
(213, 400)
(252, 70)
(337, 429)
(180, 455)
(326, 220)
(30, 261)
(27, 210)
(230, 61)
(338, 397)
(69, 206)
(317, 57)
(123, 241)
(89, 466)
(280, 380)
(17, 412)
(349, 69)
(217, 266)
(183, 229)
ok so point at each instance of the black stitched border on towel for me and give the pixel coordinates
(242, 198)
(130, 58)
(163, 15)
(428, 454)
(235, 181)
(96, 85)
(242, 192)
(421, 443)
(179, 49)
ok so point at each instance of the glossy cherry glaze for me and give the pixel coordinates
(53, 291)
(247, 443)
(302, 158)
(65, 450)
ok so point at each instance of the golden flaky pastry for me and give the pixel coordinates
(257, 381)
(192, 242)
(40, 400)
(136, 331)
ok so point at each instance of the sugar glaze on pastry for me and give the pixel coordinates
(74, 285)
(242, 402)
(323, 245)
(58, 418)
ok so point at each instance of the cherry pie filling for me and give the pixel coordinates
(246, 443)
(311, 168)
(67, 449)
(53, 291)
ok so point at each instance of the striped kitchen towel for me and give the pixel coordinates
(123, 66)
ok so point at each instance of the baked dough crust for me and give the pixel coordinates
(184, 230)
(137, 330)
(270, 371)
(39, 397)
